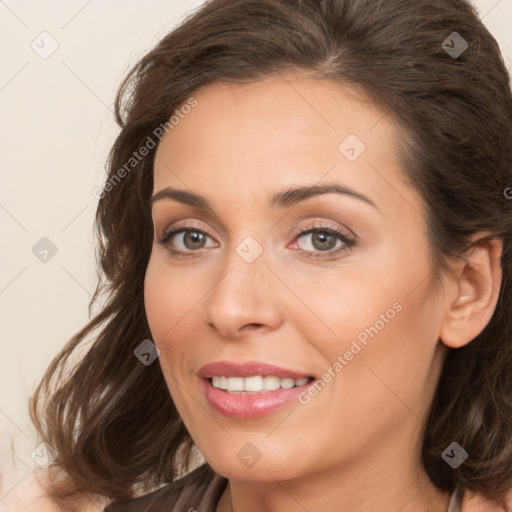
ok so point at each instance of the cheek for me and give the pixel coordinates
(170, 297)
(391, 355)
(330, 309)
(376, 327)
(172, 302)
(171, 305)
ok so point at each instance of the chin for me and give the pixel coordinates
(243, 461)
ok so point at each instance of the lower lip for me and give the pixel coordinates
(250, 405)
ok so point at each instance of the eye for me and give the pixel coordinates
(324, 241)
(320, 241)
(182, 240)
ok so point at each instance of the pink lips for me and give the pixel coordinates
(250, 405)
(247, 369)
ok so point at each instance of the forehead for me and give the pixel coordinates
(276, 132)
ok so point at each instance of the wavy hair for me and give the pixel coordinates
(110, 418)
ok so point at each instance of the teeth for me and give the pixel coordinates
(255, 384)
(236, 384)
(270, 383)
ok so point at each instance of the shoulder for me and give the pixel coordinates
(476, 502)
(200, 490)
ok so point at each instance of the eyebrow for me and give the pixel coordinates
(287, 198)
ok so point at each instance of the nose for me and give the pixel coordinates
(245, 298)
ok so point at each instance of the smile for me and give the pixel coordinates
(256, 383)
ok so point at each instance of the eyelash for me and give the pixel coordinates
(348, 241)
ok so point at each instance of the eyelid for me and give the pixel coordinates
(196, 214)
(192, 224)
(299, 228)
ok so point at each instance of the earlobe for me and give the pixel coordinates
(476, 291)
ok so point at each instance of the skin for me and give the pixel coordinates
(356, 445)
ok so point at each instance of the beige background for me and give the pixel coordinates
(56, 129)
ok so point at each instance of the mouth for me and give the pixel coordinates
(251, 389)
(256, 383)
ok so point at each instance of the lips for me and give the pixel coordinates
(248, 369)
(247, 405)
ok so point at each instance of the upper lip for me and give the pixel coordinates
(247, 369)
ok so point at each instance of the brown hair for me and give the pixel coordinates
(111, 418)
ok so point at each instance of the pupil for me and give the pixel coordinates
(194, 238)
(324, 239)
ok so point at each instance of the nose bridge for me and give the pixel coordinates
(245, 293)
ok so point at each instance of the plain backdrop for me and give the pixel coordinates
(61, 63)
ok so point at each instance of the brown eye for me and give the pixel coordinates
(181, 240)
(323, 241)
(194, 239)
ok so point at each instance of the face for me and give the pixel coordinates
(335, 287)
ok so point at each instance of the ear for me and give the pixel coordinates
(473, 293)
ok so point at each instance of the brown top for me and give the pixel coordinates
(199, 490)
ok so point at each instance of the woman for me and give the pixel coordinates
(305, 238)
